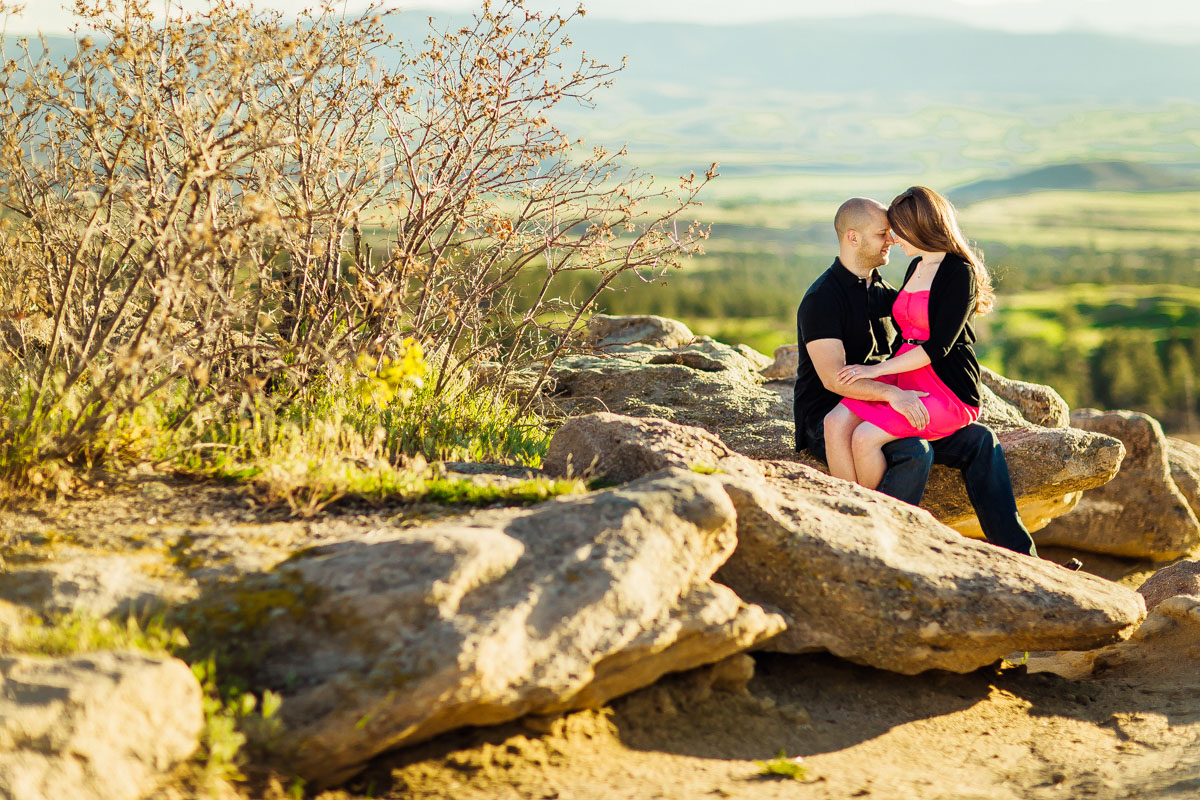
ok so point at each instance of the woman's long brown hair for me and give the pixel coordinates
(924, 218)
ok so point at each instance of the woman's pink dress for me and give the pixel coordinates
(946, 412)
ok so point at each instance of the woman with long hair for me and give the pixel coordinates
(946, 285)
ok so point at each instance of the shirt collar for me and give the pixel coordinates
(848, 278)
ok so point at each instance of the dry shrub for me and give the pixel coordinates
(188, 204)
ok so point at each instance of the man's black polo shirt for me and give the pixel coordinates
(840, 305)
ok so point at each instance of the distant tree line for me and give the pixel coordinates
(1146, 360)
(1027, 268)
(770, 283)
(1130, 369)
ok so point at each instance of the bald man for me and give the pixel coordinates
(845, 318)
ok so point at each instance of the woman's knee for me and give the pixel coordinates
(840, 422)
(868, 437)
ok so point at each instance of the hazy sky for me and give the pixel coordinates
(1177, 20)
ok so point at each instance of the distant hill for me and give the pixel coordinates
(1112, 176)
(878, 96)
(885, 55)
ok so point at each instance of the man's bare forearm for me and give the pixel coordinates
(864, 390)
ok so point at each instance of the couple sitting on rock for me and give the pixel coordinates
(888, 383)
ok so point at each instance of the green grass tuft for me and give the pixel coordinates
(81, 633)
(465, 492)
(783, 767)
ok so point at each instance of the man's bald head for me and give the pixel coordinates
(863, 233)
(858, 213)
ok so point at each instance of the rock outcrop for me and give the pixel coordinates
(101, 726)
(1141, 513)
(381, 644)
(879, 583)
(868, 578)
(1050, 466)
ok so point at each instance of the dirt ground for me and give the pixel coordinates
(995, 733)
(1130, 731)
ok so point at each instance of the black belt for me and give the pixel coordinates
(914, 341)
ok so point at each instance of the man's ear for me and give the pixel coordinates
(852, 237)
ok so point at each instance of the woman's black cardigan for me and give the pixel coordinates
(952, 297)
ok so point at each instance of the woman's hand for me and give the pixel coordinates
(856, 372)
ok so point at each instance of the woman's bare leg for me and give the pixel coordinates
(867, 446)
(839, 429)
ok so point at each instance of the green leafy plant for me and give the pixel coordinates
(237, 724)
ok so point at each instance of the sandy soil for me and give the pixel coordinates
(995, 733)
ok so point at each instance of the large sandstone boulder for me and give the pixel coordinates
(1182, 577)
(565, 606)
(878, 582)
(1141, 513)
(606, 331)
(101, 726)
(1050, 466)
(784, 365)
(1183, 459)
(864, 576)
(1038, 404)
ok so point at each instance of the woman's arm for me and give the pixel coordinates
(905, 362)
(951, 306)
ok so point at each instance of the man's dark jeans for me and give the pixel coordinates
(976, 453)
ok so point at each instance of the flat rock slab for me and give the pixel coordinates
(564, 606)
(1141, 513)
(101, 726)
(882, 583)
(615, 448)
(81, 582)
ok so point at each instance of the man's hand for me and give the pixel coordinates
(908, 402)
